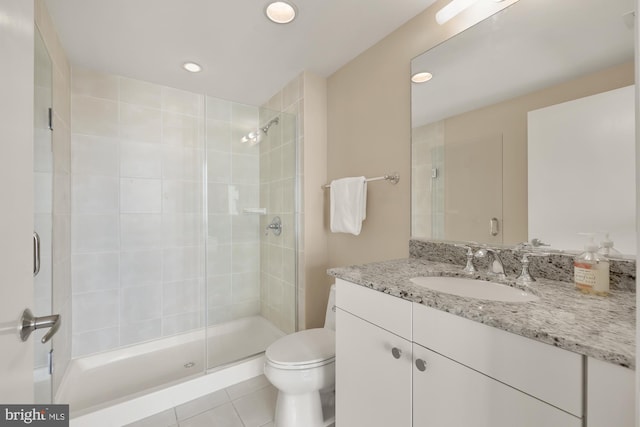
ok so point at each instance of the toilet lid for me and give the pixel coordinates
(303, 348)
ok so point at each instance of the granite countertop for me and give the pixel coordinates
(598, 327)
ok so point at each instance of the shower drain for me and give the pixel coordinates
(189, 365)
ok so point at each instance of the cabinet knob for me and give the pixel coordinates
(421, 365)
(396, 352)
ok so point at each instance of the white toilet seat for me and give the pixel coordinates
(303, 350)
(300, 367)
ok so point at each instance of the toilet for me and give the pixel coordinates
(302, 366)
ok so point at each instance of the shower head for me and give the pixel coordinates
(255, 136)
(272, 122)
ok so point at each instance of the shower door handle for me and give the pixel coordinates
(29, 323)
(36, 254)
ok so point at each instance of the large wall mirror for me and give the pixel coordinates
(526, 129)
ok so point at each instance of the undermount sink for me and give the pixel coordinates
(474, 288)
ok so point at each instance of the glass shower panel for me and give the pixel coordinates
(137, 231)
(245, 161)
(278, 190)
(43, 213)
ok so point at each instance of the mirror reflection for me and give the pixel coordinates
(499, 131)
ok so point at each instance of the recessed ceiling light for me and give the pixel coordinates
(281, 12)
(192, 67)
(421, 77)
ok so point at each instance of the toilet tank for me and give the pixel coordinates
(330, 316)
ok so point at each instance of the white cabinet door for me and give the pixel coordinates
(610, 395)
(448, 394)
(373, 381)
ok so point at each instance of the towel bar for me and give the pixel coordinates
(393, 178)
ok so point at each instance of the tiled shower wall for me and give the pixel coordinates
(137, 223)
(138, 152)
(427, 178)
(233, 246)
(278, 173)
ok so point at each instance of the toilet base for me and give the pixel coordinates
(295, 410)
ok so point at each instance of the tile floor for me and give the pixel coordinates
(248, 404)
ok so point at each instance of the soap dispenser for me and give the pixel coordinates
(591, 270)
(606, 248)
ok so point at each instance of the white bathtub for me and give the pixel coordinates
(118, 387)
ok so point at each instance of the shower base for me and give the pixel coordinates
(99, 381)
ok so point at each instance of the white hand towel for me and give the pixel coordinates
(348, 204)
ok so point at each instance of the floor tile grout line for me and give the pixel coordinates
(248, 394)
(238, 414)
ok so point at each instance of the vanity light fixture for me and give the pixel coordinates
(281, 12)
(452, 9)
(192, 67)
(421, 77)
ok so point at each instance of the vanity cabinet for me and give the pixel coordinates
(405, 364)
(373, 371)
(448, 394)
(497, 378)
(373, 358)
(610, 395)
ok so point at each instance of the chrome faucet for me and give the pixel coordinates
(496, 268)
(534, 244)
(469, 268)
(525, 277)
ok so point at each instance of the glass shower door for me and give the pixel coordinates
(43, 214)
(251, 255)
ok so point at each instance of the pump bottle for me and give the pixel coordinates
(591, 270)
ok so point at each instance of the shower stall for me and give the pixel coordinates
(183, 236)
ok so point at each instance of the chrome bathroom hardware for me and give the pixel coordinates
(496, 267)
(396, 352)
(255, 136)
(275, 226)
(36, 254)
(30, 323)
(469, 268)
(525, 277)
(257, 211)
(394, 178)
(533, 244)
(494, 226)
(421, 365)
(536, 243)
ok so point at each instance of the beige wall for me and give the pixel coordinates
(509, 119)
(369, 131)
(314, 262)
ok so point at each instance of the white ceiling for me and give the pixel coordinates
(245, 57)
(526, 47)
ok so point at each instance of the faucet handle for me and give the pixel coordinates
(463, 246)
(525, 277)
(469, 268)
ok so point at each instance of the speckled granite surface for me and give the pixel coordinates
(599, 327)
(555, 266)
